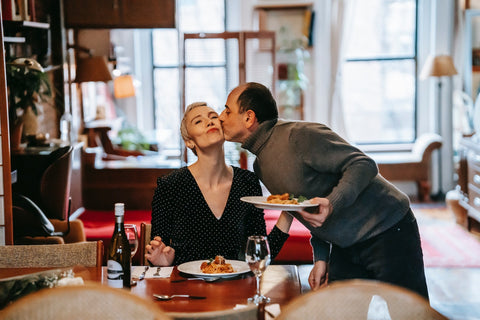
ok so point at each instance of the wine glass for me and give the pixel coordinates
(132, 236)
(257, 255)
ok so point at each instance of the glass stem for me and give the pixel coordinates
(257, 278)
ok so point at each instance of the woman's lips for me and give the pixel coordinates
(212, 130)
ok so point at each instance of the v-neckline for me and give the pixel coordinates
(204, 201)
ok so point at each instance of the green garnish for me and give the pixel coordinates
(210, 260)
(301, 199)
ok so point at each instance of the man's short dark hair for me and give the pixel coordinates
(259, 99)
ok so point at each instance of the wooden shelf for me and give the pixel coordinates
(14, 39)
(283, 6)
(25, 24)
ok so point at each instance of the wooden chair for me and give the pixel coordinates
(247, 313)
(87, 254)
(351, 299)
(410, 166)
(90, 301)
(145, 235)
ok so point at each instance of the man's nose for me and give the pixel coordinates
(221, 116)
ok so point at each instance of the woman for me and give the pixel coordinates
(196, 210)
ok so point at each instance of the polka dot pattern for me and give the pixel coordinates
(182, 218)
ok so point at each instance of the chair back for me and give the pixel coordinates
(246, 313)
(87, 254)
(90, 301)
(351, 299)
(145, 235)
(55, 184)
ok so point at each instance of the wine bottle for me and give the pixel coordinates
(119, 254)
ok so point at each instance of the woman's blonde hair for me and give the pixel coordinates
(183, 124)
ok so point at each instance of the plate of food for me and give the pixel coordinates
(280, 202)
(218, 267)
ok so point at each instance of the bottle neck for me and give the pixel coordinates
(119, 222)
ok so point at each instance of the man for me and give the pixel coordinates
(363, 226)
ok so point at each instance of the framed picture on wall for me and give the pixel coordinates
(292, 23)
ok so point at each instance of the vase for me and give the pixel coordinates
(30, 122)
(16, 136)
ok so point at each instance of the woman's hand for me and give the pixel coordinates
(318, 275)
(159, 254)
(318, 218)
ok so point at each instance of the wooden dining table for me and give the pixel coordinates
(281, 283)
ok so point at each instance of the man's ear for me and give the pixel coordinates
(250, 118)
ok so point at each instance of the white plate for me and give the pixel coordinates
(193, 268)
(261, 202)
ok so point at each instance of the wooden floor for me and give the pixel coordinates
(454, 292)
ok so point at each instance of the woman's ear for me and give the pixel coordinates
(190, 144)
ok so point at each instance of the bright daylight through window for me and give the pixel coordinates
(207, 71)
(379, 86)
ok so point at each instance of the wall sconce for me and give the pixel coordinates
(123, 86)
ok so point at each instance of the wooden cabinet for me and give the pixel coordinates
(470, 185)
(119, 13)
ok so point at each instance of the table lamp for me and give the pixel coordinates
(123, 86)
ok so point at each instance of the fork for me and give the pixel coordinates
(142, 276)
(157, 273)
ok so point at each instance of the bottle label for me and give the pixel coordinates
(115, 274)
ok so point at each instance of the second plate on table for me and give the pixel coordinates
(261, 202)
(193, 268)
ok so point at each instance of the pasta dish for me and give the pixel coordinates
(281, 199)
(217, 265)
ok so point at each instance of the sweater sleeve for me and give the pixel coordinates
(329, 152)
(161, 224)
(321, 249)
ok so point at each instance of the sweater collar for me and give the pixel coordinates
(257, 139)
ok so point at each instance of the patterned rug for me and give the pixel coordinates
(449, 245)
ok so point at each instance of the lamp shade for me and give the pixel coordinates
(438, 66)
(92, 69)
(123, 86)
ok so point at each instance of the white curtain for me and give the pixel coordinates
(333, 33)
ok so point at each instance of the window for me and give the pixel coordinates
(208, 73)
(379, 82)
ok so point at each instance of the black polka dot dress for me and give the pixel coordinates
(183, 219)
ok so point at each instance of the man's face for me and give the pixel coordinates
(233, 122)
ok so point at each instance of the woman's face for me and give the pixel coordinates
(204, 128)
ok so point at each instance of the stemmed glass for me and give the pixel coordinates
(257, 255)
(132, 236)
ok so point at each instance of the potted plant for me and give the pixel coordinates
(28, 85)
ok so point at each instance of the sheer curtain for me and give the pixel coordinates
(332, 34)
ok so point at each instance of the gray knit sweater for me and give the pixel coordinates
(309, 159)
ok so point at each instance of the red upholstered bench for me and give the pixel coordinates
(99, 224)
(297, 248)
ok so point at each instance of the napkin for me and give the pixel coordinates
(76, 281)
(271, 310)
(378, 309)
(165, 272)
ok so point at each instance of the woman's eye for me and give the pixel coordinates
(214, 117)
(198, 121)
